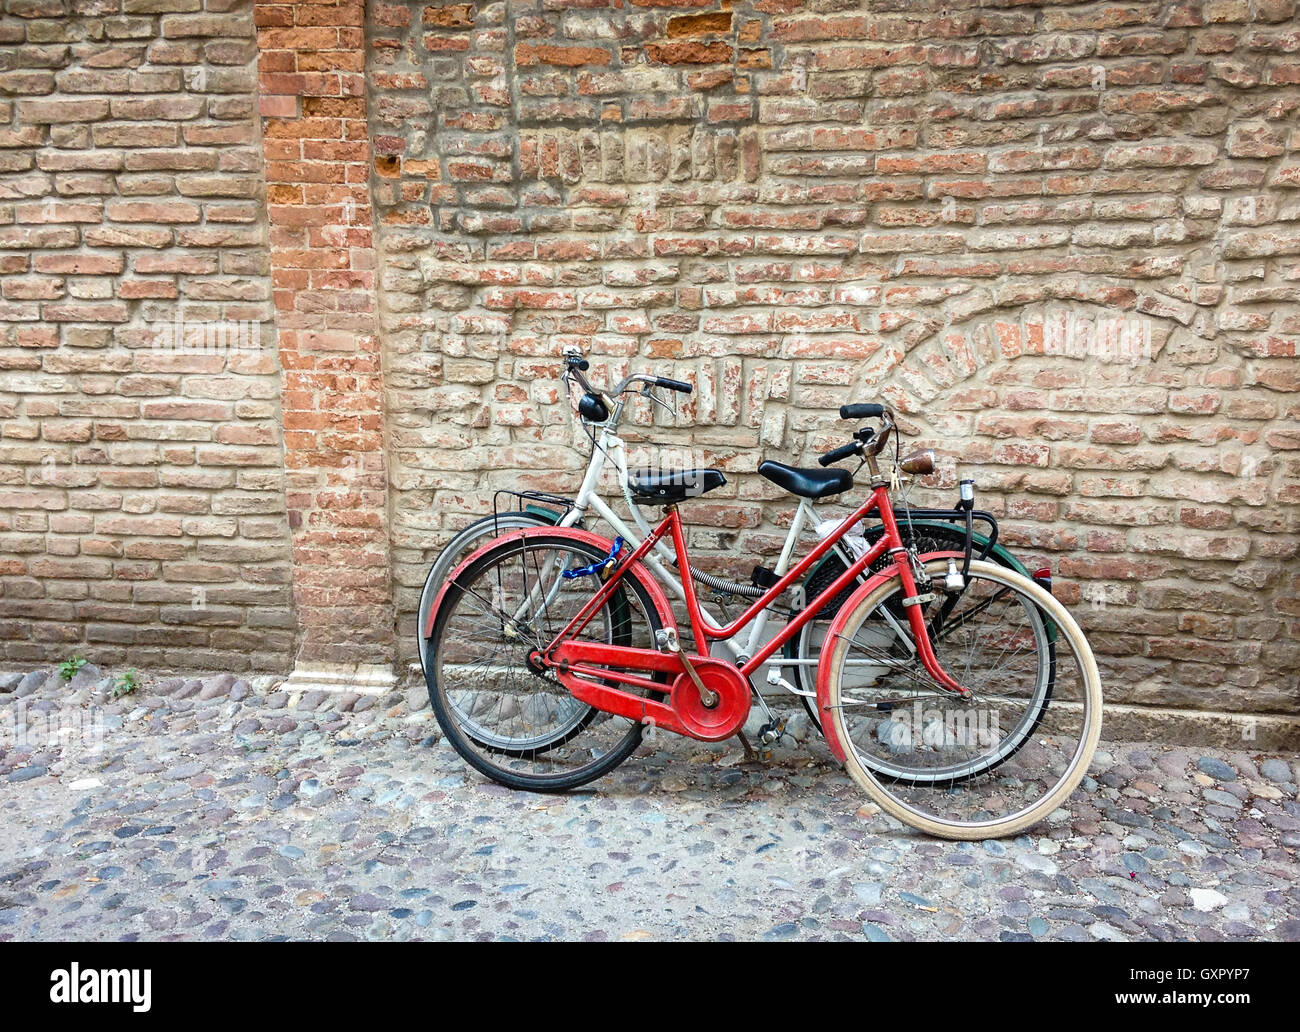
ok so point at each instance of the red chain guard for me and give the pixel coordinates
(579, 663)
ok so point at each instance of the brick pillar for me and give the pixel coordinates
(311, 75)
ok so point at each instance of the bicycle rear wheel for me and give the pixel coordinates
(510, 719)
(973, 768)
(805, 645)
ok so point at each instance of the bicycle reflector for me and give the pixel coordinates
(1043, 576)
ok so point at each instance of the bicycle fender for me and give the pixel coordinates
(836, 628)
(642, 575)
(548, 515)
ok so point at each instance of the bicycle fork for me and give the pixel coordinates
(913, 604)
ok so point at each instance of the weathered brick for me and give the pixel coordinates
(527, 55)
(63, 109)
(683, 52)
(791, 210)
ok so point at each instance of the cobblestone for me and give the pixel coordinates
(259, 817)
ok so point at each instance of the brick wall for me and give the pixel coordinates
(323, 268)
(1061, 239)
(142, 506)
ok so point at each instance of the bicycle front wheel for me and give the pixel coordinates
(805, 645)
(990, 765)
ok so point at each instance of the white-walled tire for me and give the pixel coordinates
(1047, 751)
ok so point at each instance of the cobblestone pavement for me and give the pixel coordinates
(217, 808)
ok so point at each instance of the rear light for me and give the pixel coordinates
(1043, 576)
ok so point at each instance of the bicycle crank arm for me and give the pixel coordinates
(669, 641)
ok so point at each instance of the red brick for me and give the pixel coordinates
(689, 53)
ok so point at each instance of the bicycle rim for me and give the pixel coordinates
(977, 768)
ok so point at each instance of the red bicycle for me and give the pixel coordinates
(960, 695)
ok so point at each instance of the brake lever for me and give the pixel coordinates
(570, 382)
(649, 393)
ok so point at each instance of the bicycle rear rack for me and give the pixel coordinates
(540, 503)
(901, 513)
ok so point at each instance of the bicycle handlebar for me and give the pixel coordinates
(587, 388)
(844, 451)
(866, 442)
(576, 365)
(673, 385)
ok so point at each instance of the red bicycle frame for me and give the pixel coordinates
(703, 632)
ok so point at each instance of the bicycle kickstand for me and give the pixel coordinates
(750, 755)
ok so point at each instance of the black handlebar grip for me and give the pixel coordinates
(861, 411)
(673, 385)
(842, 452)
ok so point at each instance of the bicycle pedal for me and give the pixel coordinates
(771, 732)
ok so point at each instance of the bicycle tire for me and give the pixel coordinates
(446, 713)
(886, 791)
